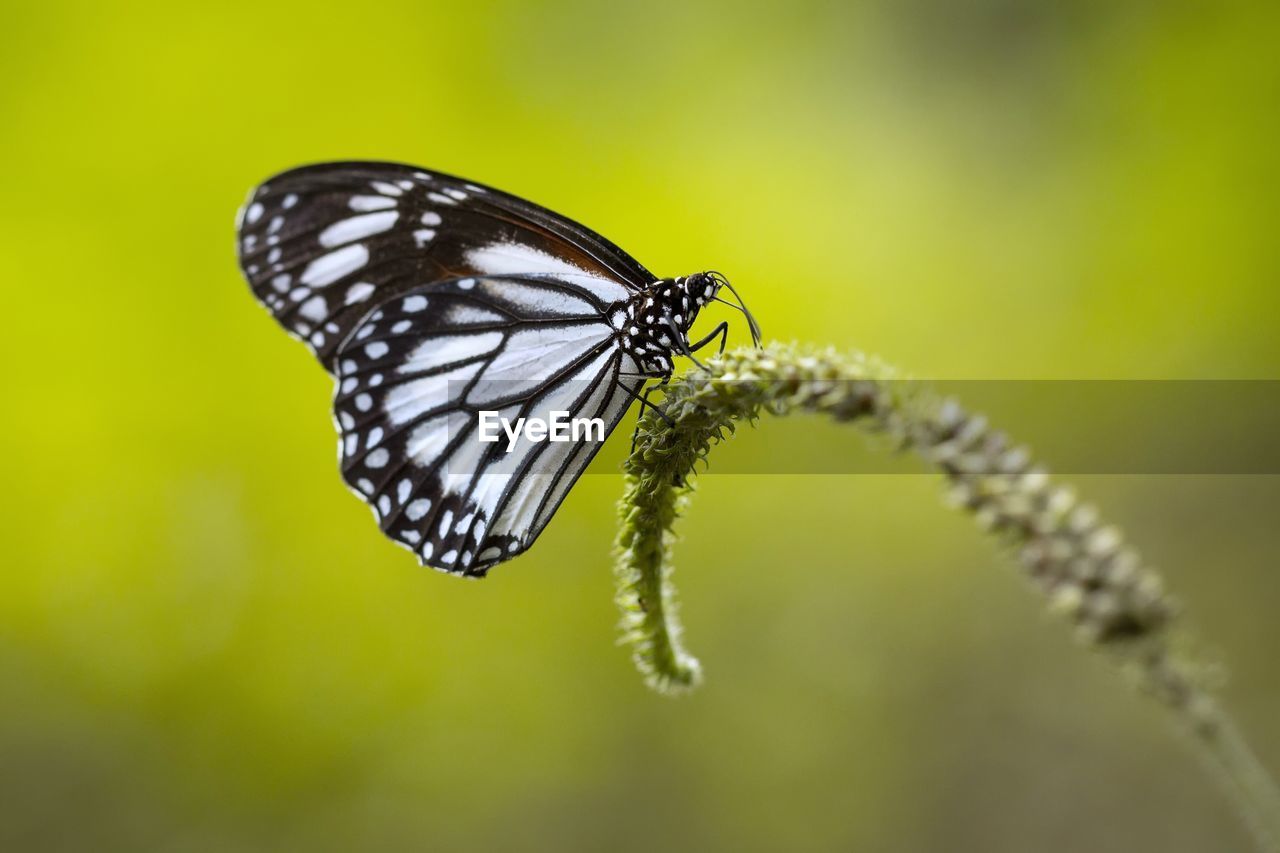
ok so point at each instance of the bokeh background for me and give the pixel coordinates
(206, 646)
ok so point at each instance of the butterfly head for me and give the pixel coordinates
(704, 287)
(660, 317)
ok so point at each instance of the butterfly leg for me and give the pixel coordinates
(635, 433)
(644, 402)
(681, 342)
(722, 330)
(678, 480)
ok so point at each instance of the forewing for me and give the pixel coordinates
(413, 378)
(322, 245)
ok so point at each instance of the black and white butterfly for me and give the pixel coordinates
(431, 299)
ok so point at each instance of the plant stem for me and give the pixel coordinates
(1116, 602)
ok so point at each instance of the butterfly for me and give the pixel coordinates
(434, 301)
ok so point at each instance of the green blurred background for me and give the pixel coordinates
(205, 645)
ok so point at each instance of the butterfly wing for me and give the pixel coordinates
(323, 245)
(416, 373)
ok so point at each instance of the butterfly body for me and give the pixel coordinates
(659, 317)
(431, 300)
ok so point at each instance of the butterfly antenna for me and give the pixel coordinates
(741, 306)
(735, 306)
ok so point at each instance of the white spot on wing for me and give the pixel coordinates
(314, 309)
(357, 228)
(604, 289)
(425, 445)
(364, 203)
(416, 510)
(517, 259)
(467, 315)
(532, 355)
(411, 400)
(539, 300)
(359, 292)
(446, 349)
(327, 269)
